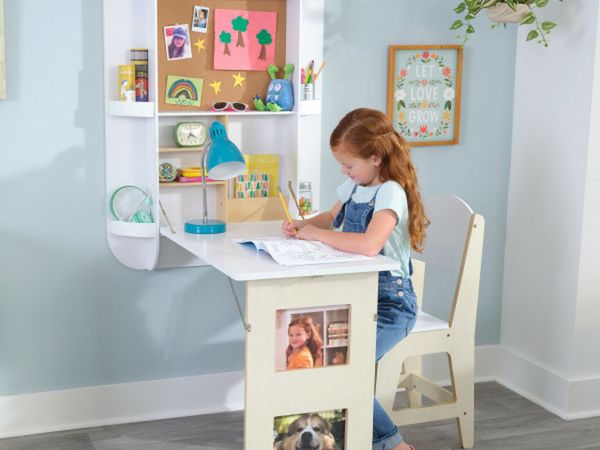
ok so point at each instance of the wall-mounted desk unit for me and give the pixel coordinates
(139, 135)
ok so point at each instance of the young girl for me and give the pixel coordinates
(381, 211)
(304, 349)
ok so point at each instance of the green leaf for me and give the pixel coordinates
(398, 107)
(460, 8)
(532, 35)
(529, 19)
(469, 16)
(402, 103)
(470, 29)
(457, 24)
(448, 105)
(541, 3)
(547, 26)
(512, 4)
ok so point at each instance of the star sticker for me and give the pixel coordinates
(216, 85)
(200, 44)
(238, 79)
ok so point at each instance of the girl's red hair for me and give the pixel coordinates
(367, 132)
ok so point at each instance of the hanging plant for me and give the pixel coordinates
(522, 12)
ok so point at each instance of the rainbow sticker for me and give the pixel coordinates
(185, 91)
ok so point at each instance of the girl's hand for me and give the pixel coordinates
(308, 233)
(290, 229)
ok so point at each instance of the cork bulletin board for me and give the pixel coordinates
(217, 85)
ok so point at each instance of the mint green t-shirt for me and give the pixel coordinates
(390, 196)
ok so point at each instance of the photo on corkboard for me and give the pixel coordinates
(185, 91)
(177, 42)
(200, 19)
(307, 338)
(244, 40)
(325, 430)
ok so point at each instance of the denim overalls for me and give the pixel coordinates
(396, 313)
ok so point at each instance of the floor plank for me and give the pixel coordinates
(503, 421)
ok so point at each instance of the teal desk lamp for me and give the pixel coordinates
(223, 160)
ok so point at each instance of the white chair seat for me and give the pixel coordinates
(427, 322)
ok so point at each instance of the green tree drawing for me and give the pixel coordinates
(240, 25)
(264, 38)
(225, 38)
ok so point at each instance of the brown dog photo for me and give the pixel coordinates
(312, 431)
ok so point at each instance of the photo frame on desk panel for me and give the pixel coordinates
(324, 430)
(424, 89)
(308, 338)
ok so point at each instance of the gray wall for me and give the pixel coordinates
(70, 314)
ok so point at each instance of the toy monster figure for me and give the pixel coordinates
(280, 95)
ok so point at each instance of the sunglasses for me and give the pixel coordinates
(229, 106)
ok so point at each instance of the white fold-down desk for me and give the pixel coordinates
(271, 287)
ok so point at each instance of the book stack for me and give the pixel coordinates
(337, 334)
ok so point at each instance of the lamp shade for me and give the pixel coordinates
(224, 159)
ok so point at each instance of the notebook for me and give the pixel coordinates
(296, 252)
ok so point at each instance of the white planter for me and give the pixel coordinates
(501, 12)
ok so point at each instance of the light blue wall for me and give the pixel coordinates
(70, 314)
(356, 41)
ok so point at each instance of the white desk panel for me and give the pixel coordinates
(244, 263)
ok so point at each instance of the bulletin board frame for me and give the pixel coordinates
(424, 92)
(200, 65)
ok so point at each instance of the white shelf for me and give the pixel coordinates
(180, 149)
(135, 230)
(190, 183)
(309, 107)
(131, 109)
(220, 113)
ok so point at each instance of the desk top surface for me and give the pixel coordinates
(244, 263)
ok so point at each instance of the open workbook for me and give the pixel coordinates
(295, 252)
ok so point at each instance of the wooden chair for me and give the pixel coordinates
(454, 242)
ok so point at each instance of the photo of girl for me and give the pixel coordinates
(177, 41)
(200, 19)
(304, 345)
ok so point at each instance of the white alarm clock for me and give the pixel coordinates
(190, 134)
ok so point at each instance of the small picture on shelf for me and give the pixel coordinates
(177, 42)
(311, 337)
(200, 19)
(325, 430)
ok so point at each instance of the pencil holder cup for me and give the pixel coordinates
(308, 91)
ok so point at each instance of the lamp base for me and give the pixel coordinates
(198, 226)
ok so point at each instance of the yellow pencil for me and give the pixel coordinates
(285, 208)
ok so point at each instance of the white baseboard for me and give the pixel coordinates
(567, 398)
(121, 403)
(178, 397)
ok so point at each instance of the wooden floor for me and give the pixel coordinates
(504, 420)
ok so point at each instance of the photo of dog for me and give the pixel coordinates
(307, 432)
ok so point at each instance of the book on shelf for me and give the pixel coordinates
(267, 163)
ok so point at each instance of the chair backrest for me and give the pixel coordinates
(454, 242)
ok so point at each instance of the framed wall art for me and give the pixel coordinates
(424, 85)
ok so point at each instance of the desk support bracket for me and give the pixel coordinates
(237, 302)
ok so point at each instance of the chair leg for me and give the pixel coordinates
(462, 373)
(388, 376)
(413, 365)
